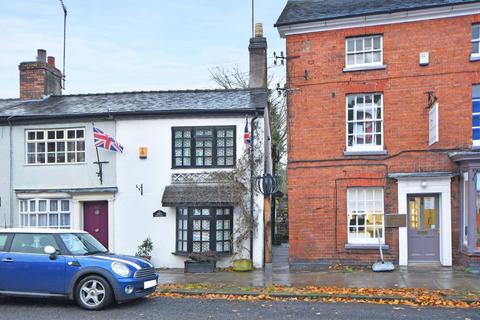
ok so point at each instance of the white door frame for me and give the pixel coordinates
(427, 185)
(78, 201)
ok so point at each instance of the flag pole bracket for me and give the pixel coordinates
(100, 170)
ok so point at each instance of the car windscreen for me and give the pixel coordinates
(82, 243)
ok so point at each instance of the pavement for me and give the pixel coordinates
(186, 309)
(425, 277)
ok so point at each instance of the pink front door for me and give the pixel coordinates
(95, 220)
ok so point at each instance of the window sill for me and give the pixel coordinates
(365, 153)
(365, 68)
(350, 246)
(474, 58)
(186, 254)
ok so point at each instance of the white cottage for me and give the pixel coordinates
(184, 178)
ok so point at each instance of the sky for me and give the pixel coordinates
(127, 45)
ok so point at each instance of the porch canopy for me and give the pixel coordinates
(205, 195)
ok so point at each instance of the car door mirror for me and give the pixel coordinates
(50, 250)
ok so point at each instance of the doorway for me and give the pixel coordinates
(95, 220)
(423, 228)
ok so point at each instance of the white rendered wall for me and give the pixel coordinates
(134, 219)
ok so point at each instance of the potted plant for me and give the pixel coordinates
(204, 262)
(145, 249)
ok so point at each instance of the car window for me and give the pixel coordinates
(3, 241)
(81, 243)
(32, 243)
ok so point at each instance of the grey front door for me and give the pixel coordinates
(423, 228)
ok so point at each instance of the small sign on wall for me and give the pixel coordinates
(433, 125)
(395, 220)
(143, 152)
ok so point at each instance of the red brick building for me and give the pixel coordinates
(383, 131)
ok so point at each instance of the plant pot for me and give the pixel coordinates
(242, 265)
(147, 257)
(199, 266)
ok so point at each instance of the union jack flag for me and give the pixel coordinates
(104, 140)
(246, 134)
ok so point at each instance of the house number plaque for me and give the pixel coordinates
(395, 220)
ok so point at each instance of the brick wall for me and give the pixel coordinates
(319, 173)
(38, 79)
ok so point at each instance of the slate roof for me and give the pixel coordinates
(136, 103)
(302, 11)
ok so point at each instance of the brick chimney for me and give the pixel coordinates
(39, 78)
(258, 59)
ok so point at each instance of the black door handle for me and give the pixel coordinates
(7, 260)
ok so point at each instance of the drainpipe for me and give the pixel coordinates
(252, 180)
(10, 169)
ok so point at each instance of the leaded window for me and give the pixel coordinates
(203, 147)
(365, 215)
(225, 147)
(53, 146)
(204, 229)
(45, 213)
(182, 146)
(364, 51)
(365, 122)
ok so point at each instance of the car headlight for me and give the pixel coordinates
(121, 269)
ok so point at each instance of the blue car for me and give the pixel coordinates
(71, 264)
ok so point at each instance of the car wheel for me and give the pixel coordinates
(93, 293)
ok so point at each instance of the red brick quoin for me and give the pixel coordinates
(318, 171)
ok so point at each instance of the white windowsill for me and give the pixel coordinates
(365, 153)
(365, 68)
(474, 57)
(357, 246)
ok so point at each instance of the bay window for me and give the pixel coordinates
(204, 229)
(365, 215)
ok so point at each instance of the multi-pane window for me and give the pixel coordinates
(202, 229)
(365, 215)
(225, 147)
(182, 229)
(364, 51)
(203, 147)
(365, 122)
(55, 146)
(45, 213)
(476, 39)
(223, 232)
(476, 115)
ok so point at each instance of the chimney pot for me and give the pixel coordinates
(258, 59)
(258, 30)
(51, 61)
(42, 55)
(37, 79)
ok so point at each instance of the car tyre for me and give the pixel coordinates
(93, 293)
